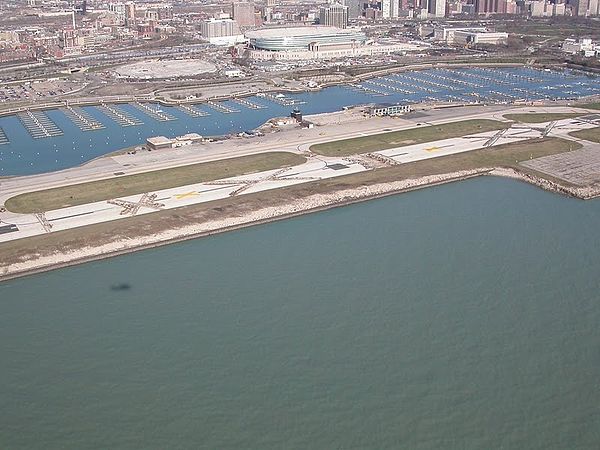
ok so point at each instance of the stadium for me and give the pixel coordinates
(302, 38)
(315, 42)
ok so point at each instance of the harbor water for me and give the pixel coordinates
(37, 142)
(463, 316)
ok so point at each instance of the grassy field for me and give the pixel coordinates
(383, 141)
(80, 194)
(591, 134)
(595, 105)
(539, 117)
(508, 155)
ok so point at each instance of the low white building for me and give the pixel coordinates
(463, 35)
(577, 46)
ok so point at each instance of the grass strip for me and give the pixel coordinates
(591, 134)
(94, 191)
(393, 139)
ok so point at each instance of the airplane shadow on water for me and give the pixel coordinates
(120, 287)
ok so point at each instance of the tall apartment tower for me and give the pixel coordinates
(436, 8)
(243, 13)
(490, 6)
(335, 15)
(583, 8)
(354, 8)
(386, 9)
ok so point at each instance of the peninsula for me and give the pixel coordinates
(123, 202)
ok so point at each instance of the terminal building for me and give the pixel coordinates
(159, 142)
(315, 42)
(388, 109)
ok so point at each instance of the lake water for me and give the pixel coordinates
(463, 316)
(24, 155)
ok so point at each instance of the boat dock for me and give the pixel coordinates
(154, 111)
(39, 125)
(389, 87)
(82, 119)
(118, 115)
(369, 90)
(192, 111)
(247, 103)
(3, 137)
(280, 99)
(220, 107)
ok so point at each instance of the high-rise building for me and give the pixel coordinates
(335, 15)
(583, 8)
(130, 13)
(490, 6)
(220, 31)
(436, 8)
(243, 13)
(386, 9)
(354, 8)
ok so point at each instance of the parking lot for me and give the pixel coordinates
(32, 90)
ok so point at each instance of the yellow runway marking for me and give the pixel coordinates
(431, 149)
(186, 195)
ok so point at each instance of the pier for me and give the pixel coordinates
(192, 111)
(247, 103)
(39, 125)
(154, 111)
(369, 90)
(220, 107)
(82, 119)
(280, 99)
(118, 115)
(410, 83)
(3, 137)
(388, 87)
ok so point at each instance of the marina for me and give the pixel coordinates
(82, 119)
(127, 124)
(39, 125)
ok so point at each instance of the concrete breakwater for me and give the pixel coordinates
(36, 262)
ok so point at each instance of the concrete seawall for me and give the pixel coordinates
(313, 203)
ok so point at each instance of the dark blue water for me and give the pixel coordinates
(25, 155)
(458, 317)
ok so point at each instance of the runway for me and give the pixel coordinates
(16, 226)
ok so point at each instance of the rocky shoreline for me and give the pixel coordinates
(310, 204)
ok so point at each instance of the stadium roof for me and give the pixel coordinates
(296, 32)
